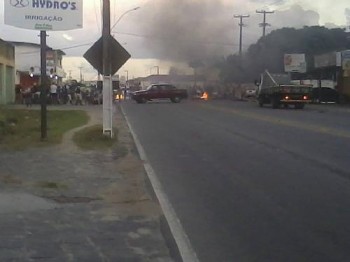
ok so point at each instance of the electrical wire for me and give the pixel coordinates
(168, 39)
(64, 48)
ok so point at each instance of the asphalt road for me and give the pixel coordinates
(250, 183)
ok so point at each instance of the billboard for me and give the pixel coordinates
(328, 60)
(49, 15)
(295, 63)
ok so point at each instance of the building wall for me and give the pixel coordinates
(7, 73)
(28, 57)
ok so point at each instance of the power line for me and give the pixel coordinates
(264, 24)
(241, 17)
(157, 38)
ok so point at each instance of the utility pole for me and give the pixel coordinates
(264, 24)
(241, 17)
(107, 78)
(127, 75)
(43, 88)
(81, 75)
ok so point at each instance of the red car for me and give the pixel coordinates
(160, 91)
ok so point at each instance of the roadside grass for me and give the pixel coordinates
(92, 138)
(20, 129)
(9, 179)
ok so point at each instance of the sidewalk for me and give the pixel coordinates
(63, 204)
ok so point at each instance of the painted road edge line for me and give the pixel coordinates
(182, 241)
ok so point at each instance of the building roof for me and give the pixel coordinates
(17, 43)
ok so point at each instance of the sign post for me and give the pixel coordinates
(46, 15)
(107, 56)
(107, 78)
(43, 86)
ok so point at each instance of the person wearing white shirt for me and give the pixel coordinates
(53, 93)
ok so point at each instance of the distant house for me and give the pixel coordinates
(7, 73)
(28, 64)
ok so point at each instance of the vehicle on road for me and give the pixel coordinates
(250, 93)
(160, 91)
(277, 89)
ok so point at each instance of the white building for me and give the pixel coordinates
(28, 64)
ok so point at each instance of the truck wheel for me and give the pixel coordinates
(261, 102)
(275, 103)
(143, 100)
(138, 101)
(176, 99)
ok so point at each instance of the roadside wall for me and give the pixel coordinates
(7, 73)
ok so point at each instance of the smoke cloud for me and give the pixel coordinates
(347, 15)
(296, 17)
(201, 30)
(188, 30)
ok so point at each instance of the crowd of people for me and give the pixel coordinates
(59, 95)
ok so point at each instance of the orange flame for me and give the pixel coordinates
(119, 97)
(205, 96)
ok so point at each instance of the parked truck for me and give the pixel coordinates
(278, 90)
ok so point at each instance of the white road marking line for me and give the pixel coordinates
(183, 243)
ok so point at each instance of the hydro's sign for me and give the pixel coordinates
(52, 15)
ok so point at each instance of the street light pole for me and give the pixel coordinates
(126, 12)
(157, 69)
(127, 75)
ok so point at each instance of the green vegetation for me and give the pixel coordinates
(20, 129)
(92, 138)
(268, 53)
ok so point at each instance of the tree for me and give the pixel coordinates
(268, 52)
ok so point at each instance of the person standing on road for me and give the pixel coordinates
(53, 93)
(70, 94)
(19, 97)
(27, 95)
(78, 97)
(64, 94)
(125, 93)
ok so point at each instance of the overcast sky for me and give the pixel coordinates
(180, 30)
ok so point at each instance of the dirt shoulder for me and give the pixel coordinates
(80, 202)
